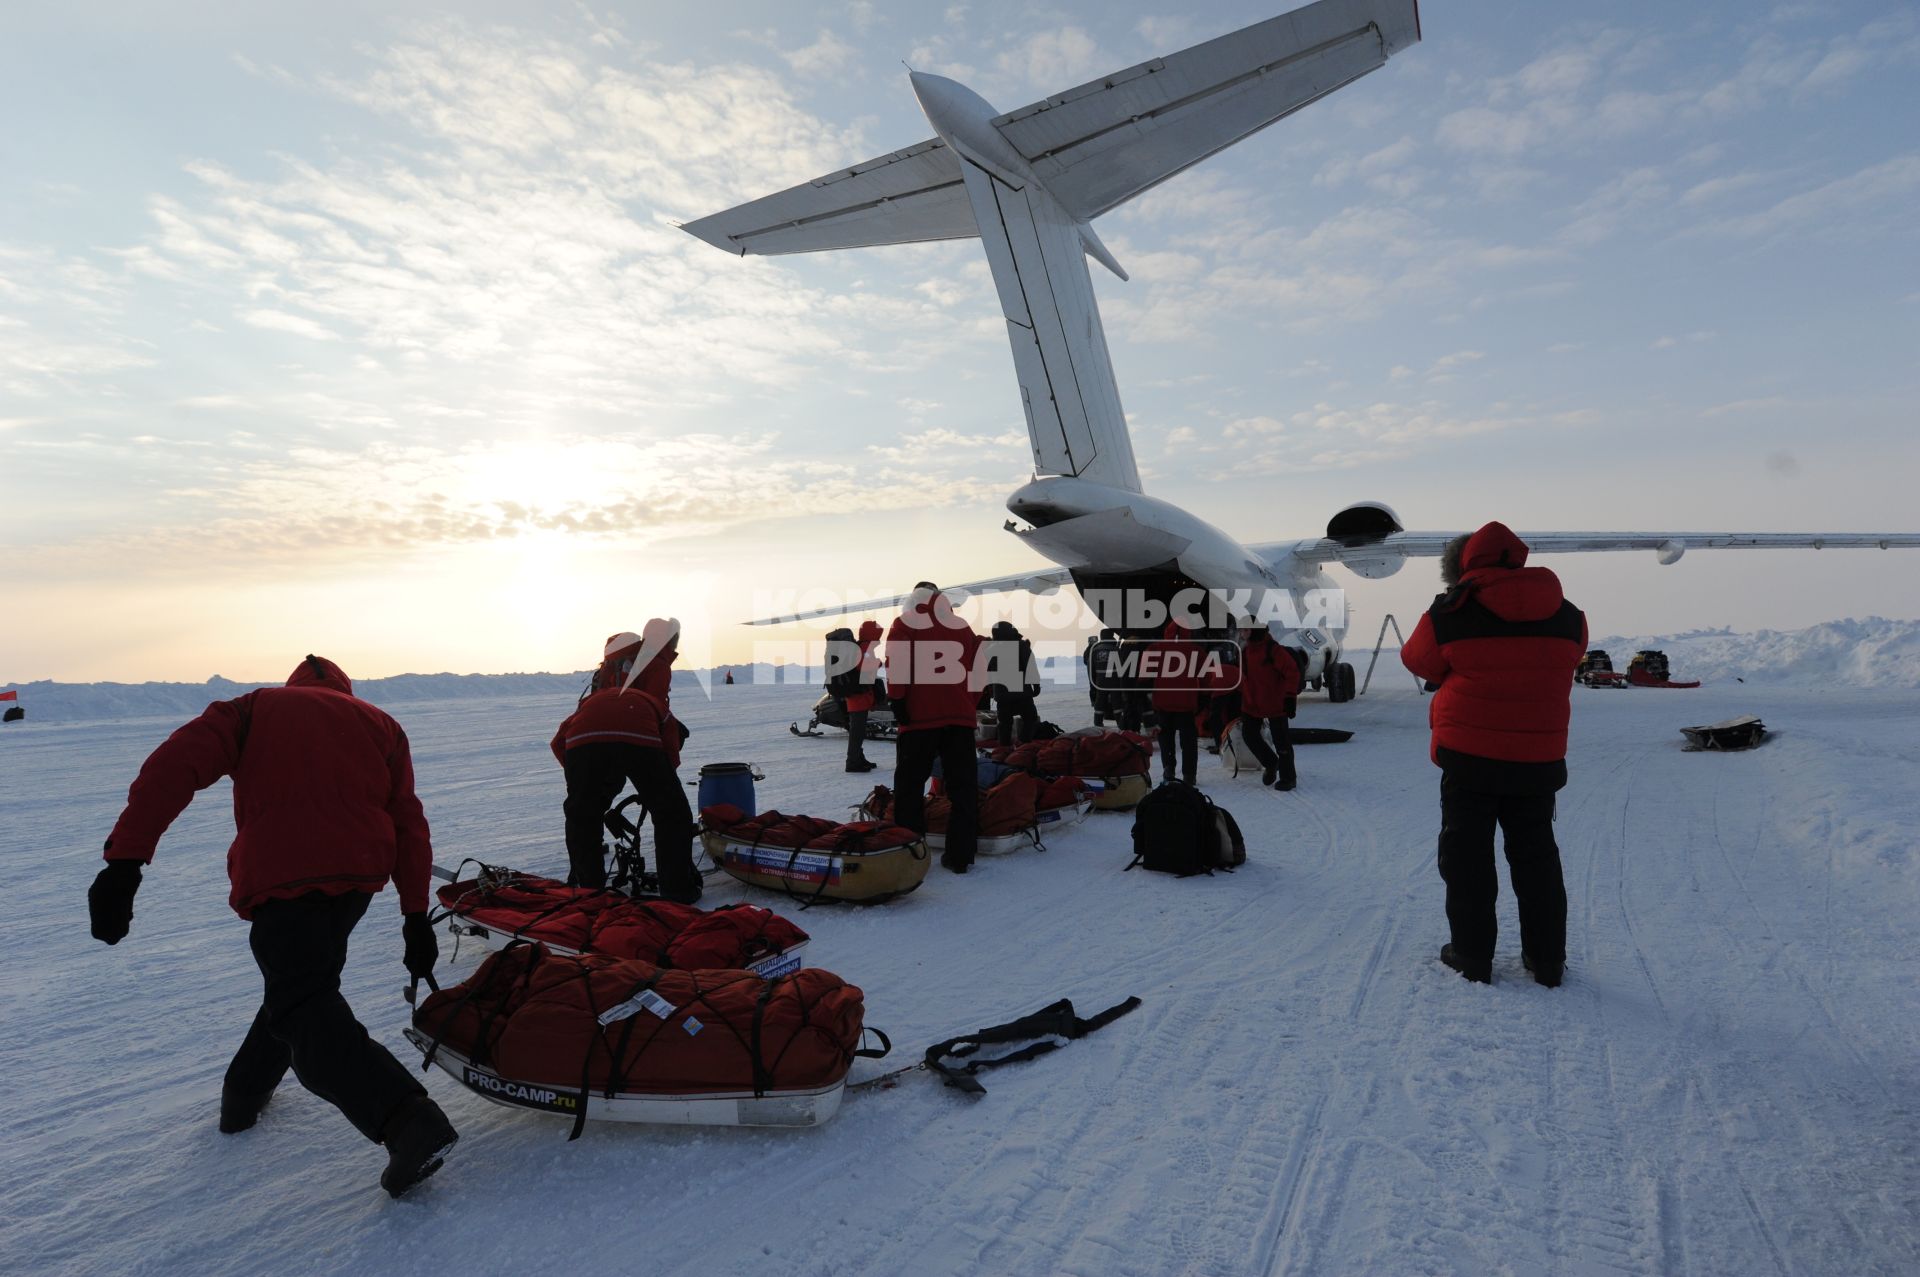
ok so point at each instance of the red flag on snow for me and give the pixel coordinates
(11, 694)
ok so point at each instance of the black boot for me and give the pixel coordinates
(1267, 776)
(239, 1111)
(861, 765)
(1480, 972)
(418, 1137)
(1191, 778)
(1547, 973)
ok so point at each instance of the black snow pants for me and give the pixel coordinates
(1008, 706)
(1280, 756)
(1183, 729)
(857, 735)
(913, 764)
(303, 1022)
(1467, 820)
(595, 776)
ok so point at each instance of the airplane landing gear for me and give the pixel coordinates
(1340, 683)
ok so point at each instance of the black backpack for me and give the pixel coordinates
(1177, 830)
(843, 651)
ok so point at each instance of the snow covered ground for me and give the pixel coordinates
(1727, 1083)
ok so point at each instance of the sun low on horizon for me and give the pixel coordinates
(335, 329)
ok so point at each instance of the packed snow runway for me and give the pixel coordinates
(1726, 1084)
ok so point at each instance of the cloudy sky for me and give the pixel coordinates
(326, 329)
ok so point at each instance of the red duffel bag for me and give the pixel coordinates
(1109, 754)
(1008, 807)
(590, 1024)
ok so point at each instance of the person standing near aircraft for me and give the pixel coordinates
(860, 700)
(1013, 686)
(624, 730)
(930, 661)
(1501, 645)
(1269, 683)
(1176, 700)
(325, 816)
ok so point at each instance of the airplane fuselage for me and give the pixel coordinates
(1132, 551)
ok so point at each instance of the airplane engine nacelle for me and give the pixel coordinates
(1376, 569)
(1363, 522)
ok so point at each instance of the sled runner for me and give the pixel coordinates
(1046, 823)
(498, 906)
(808, 859)
(1736, 733)
(594, 1037)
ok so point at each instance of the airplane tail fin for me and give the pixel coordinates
(1038, 255)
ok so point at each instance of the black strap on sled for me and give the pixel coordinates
(1045, 1030)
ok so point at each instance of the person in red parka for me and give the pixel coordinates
(930, 662)
(1176, 700)
(624, 730)
(325, 815)
(1270, 678)
(1500, 646)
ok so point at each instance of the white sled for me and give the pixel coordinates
(793, 1108)
(1047, 822)
(785, 962)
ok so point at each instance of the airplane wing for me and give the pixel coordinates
(1150, 121)
(1040, 582)
(1668, 545)
(903, 197)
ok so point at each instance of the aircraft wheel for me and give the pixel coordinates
(1340, 683)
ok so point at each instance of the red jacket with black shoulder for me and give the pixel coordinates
(930, 660)
(1269, 679)
(322, 793)
(615, 715)
(1502, 646)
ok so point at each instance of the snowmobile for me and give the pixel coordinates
(1596, 670)
(1649, 669)
(829, 712)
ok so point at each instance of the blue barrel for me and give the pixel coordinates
(728, 783)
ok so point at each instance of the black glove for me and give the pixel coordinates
(110, 900)
(683, 729)
(423, 950)
(899, 709)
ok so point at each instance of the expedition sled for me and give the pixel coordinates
(588, 1036)
(808, 858)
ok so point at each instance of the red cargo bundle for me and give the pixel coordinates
(590, 920)
(1110, 754)
(538, 1029)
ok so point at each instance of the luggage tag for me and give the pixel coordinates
(645, 1000)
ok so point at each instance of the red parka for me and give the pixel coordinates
(635, 715)
(869, 667)
(1502, 646)
(1176, 683)
(322, 793)
(930, 659)
(1269, 678)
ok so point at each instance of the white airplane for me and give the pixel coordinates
(1028, 184)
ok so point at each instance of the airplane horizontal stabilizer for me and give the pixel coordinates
(1103, 143)
(904, 197)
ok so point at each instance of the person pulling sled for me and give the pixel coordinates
(325, 816)
(624, 730)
